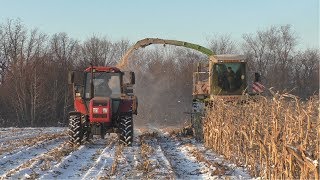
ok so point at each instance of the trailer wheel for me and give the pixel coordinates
(75, 130)
(126, 130)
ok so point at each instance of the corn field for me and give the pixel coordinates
(275, 138)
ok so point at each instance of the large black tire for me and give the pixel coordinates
(86, 130)
(75, 129)
(126, 130)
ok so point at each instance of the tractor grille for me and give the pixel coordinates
(100, 115)
(97, 103)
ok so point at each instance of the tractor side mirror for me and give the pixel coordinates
(132, 78)
(257, 77)
(70, 77)
(128, 89)
(78, 90)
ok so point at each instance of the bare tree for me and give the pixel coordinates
(222, 44)
(96, 50)
(119, 48)
(13, 39)
(64, 49)
(34, 52)
(3, 60)
(255, 50)
(65, 52)
(305, 72)
(18, 52)
(271, 52)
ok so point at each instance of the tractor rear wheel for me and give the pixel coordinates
(75, 129)
(126, 130)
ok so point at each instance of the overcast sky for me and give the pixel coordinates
(185, 20)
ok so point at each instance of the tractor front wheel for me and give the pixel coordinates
(126, 130)
(75, 129)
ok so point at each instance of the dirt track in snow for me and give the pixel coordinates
(43, 153)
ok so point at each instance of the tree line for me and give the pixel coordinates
(34, 67)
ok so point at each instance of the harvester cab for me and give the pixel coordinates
(103, 103)
(224, 76)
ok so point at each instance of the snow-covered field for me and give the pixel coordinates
(44, 153)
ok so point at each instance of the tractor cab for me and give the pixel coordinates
(106, 82)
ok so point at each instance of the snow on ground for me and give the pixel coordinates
(44, 153)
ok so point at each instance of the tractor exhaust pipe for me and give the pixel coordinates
(91, 82)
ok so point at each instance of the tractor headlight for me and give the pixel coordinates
(104, 110)
(95, 110)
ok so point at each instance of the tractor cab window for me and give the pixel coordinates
(230, 76)
(105, 84)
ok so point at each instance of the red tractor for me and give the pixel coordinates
(103, 103)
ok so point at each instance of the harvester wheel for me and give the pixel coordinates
(126, 130)
(75, 130)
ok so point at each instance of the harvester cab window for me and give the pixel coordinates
(230, 76)
(105, 84)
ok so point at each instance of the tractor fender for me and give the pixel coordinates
(125, 106)
(128, 104)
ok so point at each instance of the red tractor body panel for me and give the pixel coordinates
(80, 106)
(100, 110)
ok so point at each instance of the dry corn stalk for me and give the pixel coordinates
(275, 138)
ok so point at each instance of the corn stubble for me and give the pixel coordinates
(275, 138)
(115, 163)
(146, 150)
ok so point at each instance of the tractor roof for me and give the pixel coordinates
(103, 69)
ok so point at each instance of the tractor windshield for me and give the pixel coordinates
(229, 78)
(105, 84)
